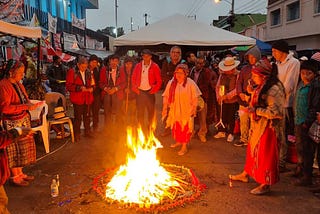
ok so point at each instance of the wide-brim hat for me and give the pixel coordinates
(228, 63)
(59, 112)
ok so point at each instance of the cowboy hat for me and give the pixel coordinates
(228, 64)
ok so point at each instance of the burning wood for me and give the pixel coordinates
(145, 184)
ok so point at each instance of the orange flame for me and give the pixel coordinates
(141, 180)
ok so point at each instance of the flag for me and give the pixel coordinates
(11, 11)
(79, 23)
(34, 21)
(52, 24)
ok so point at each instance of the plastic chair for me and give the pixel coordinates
(39, 116)
(51, 99)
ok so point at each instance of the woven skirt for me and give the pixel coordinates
(22, 151)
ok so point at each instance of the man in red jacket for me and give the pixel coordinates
(112, 83)
(6, 138)
(146, 81)
(79, 84)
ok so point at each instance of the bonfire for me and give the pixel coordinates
(143, 182)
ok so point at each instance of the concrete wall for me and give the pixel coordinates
(304, 32)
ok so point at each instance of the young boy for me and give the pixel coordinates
(306, 106)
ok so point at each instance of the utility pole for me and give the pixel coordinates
(116, 16)
(131, 24)
(145, 19)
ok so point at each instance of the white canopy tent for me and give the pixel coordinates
(183, 31)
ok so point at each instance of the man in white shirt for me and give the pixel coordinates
(146, 81)
(288, 74)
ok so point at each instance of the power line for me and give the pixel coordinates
(200, 5)
(193, 5)
(197, 6)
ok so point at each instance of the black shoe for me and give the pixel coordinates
(88, 135)
(283, 169)
(304, 181)
(239, 144)
(298, 172)
(77, 138)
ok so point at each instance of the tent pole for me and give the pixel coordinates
(38, 63)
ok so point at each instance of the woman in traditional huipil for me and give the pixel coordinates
(181, 97)
(14, 107)
(266, 108)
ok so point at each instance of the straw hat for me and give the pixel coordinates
(228, 64)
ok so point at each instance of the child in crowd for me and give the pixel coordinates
(307, 74)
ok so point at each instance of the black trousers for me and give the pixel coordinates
(146, 102)
(95, 110)
(309, 151)
(81, 113)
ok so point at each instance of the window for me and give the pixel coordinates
(293, 11)
(275, 17)
(317, 6)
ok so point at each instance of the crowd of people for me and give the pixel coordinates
(276, 99)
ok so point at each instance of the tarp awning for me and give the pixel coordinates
(99, 53)
(19, 31)
(181, 30)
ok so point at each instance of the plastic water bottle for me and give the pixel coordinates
(54, 188)
(58, 181)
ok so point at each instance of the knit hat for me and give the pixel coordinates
(254, 51)
(262, 68)
(228, 63)
(281, 45)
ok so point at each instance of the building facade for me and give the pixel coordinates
(296, 21)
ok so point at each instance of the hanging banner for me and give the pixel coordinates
(79, 23)
(90, 43)
(52, 24)
(11, 11)
(81, 41)
(57, 41)
(70, 42)
(99, 45)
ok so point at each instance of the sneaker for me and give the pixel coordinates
(230, 138)
(239, 144)
(220, 135)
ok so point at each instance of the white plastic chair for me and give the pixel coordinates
(52, 100)
(43, 127)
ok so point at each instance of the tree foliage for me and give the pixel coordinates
(111, 31)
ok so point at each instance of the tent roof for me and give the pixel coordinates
(180, 30)
(19, 31)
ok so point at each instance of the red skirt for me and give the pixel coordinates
(263, 163)
(181, 134)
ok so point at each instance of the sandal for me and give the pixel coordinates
(27, 177)
(175, 145)
(182, 152)
(239, 177)
(261, 190)
(15, 181)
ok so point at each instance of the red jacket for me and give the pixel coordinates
(74, 83)
(105, 82)
(154, 78)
